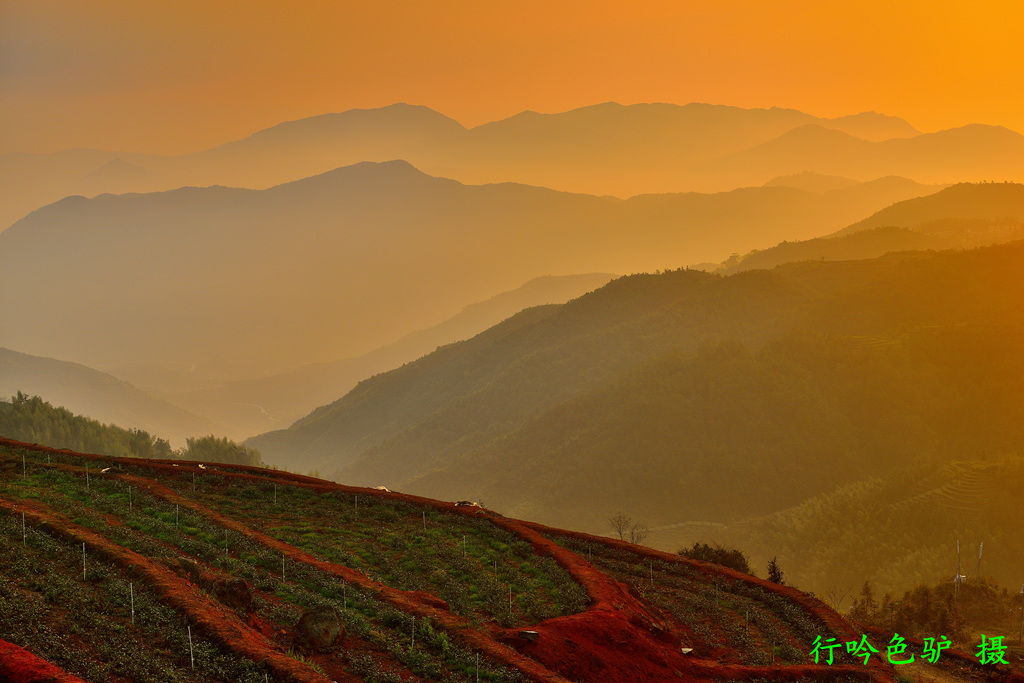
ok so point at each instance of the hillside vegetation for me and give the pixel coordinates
(899, 529)
(686, 396)
(34, 420)
(99, 395)
(181, 571)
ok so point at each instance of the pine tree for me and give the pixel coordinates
(774, 573)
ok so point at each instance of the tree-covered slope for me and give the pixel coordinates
(98, 395)
(750, 392)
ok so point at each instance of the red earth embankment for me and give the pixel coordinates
(18, 665)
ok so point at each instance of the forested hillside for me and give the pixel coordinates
(900, 527)
(688, 396)
(34, 420)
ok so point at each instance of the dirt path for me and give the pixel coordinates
(18, 665)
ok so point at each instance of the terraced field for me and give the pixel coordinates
(140, 570)
(957, 487)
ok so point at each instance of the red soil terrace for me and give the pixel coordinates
(617, 638)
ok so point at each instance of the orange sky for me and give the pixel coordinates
(185, 75)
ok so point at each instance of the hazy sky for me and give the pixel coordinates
(185, 75)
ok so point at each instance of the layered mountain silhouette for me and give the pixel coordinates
(601, 149)
(988, 202)
(235, 283)
(248, 407)
(962, 216)
(970, 153)
(690, 396)
(98, 395)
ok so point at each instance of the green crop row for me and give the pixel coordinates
(468, 562)
(180, 531)
(84, 625)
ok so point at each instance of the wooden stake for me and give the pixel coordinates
(1020, 634)
(190, 653)
(131, 593)
(275, 494)
(424, 520)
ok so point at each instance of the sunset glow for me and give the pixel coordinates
(184, 76)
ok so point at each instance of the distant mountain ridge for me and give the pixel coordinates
(984, 201)
(958, 217)
(259, 282)
(601, 149)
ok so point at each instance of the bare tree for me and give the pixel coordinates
(626, 529)
(638, 532)
(620, 523)
(835, 596)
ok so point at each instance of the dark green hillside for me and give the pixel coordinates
(728, 432)
(809, 376)
(899, 529)
(34, 420)
(489, 384)
(98, 395)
